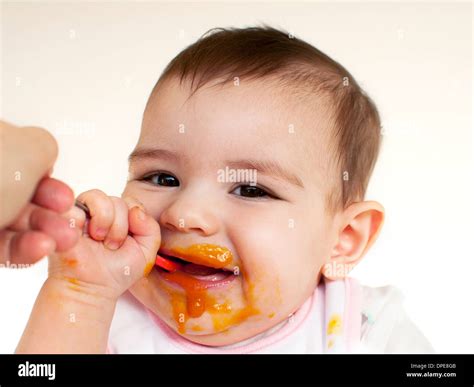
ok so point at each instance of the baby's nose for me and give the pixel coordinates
(188, 216)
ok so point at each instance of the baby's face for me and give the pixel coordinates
(272, 237)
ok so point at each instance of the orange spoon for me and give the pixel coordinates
(167, 264)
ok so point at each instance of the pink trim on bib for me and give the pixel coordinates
(352, 313)
(296, 320)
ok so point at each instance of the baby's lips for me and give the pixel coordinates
(203, 255)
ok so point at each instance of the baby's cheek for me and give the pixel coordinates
(268, 261)
(265, 282)
(284, 277)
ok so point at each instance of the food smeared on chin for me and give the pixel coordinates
(197, 269)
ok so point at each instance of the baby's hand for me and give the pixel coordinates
(120, 249)
(76, 304)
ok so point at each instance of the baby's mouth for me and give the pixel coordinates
(196, 271)
(207, 265)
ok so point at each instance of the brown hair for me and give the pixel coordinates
(264, 52)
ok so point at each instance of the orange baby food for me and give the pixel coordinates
(197, 300)
(148, 268)
(71, 262)
(195, 293)
(204, 254)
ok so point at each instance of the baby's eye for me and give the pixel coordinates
(250, 191)
(163, 179)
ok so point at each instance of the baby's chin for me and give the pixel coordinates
(228, 315)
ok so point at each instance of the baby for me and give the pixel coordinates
(242, 216)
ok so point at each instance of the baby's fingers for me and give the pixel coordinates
(146, 232)
(119, 230)
(101, 210)
(76, 218)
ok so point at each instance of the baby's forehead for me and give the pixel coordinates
(248, 118)
(283, 107)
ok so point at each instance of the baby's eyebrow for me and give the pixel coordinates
(267, 167)
(152, 153)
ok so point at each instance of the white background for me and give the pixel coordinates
(85, 70)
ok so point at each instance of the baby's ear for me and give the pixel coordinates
(360, 226)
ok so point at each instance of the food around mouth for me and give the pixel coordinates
(198, 269)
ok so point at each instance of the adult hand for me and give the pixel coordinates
(31, 203)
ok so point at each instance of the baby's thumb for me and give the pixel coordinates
(146, 232)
